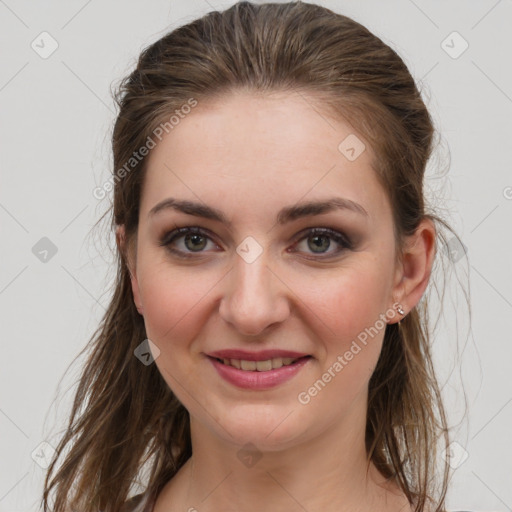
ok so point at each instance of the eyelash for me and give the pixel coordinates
(174, 235)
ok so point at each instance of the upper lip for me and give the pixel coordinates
(262, 355)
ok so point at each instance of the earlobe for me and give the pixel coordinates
(398, 310)
(121, 243)
(416, 267)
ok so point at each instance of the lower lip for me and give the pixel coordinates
(248, 379)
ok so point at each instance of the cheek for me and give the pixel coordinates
(351, 302)
(175, 303)
(174, 316)
(353, 312)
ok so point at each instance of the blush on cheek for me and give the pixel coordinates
(168, 320)
(348, 317)
(172, 303)
(353, 350)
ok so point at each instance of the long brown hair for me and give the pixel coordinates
(126, 427)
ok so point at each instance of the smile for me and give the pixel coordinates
(259, 366)
(258, 375)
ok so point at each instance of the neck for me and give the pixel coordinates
(328, 472)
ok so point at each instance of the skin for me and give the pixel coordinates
(250, 155)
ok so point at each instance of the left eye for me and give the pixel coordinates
(195, 240)
(319, 241)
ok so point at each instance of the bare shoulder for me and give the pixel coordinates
(134, 504)
(389, 495)
(172, 496)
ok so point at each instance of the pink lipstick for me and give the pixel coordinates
(257, 370)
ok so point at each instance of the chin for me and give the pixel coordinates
(268, 427)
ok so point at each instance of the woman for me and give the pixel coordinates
(266, 346)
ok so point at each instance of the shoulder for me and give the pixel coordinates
(134, 504)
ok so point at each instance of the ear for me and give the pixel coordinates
(124, 250)
(413, 274)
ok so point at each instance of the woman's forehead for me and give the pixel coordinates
(247, 136)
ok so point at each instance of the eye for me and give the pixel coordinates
(318, 240)
(195, 240)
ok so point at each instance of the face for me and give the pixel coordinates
(242, 268)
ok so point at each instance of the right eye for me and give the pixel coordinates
(195, 240)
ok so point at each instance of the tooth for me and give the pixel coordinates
(263, 366)
(277, 362)
(248, 365)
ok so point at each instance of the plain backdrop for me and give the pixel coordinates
(56, 115)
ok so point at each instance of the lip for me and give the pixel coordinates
(262, 355)
(255, 380)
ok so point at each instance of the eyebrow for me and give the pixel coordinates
(285, 215)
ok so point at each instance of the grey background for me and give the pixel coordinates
(56, 114)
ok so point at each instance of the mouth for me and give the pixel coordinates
(262, 371)
(265, 365)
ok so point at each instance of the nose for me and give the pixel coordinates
(255, 297)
